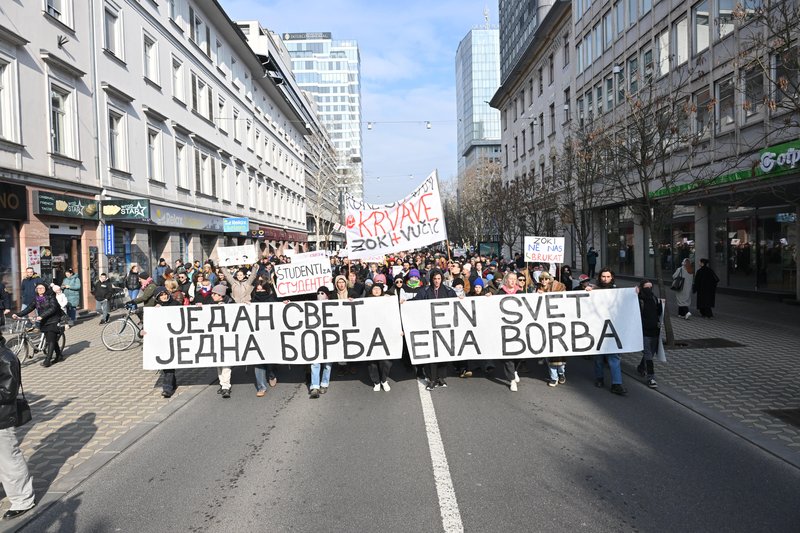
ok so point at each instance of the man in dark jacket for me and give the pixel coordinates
(29, 283)
(651, 310)
(434, 291)
(14, 475)
(103, 293)
(168, 381)
(160, 271)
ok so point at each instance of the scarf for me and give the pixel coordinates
(506, 290)
(341, 295)
(413, 283)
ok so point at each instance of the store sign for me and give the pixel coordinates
(138, 209)
(178, 218)
(771, 159)
(236, 225)
(13, 202)
(46, 203)
(275, 234)
(108, 240)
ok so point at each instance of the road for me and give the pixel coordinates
(559, 459)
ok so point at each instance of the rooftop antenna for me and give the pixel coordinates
(486, 16)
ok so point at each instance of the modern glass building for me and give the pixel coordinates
(477, 79)
(331, 72)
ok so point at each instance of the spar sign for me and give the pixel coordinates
(544, 249)
(413, 222)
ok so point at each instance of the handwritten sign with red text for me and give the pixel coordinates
(415, 221)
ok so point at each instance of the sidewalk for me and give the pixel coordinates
(83, 404)
(737, 386)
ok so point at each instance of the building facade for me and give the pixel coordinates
(477, 79)
(160, 124)
(330, 71)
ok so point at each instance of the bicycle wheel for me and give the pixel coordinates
(119, 335)
(19, 346)
(62, 340)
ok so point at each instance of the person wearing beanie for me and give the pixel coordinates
(412, 285)
(434, 291)
(147, 292)
(219, 296)
(379, 370)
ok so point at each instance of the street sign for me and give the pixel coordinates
(108, 240)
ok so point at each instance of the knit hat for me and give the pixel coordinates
(458, 282)
(159, 290)
(380, 279)
(413, 273)
(144, 274)
(53, 287)
(478, 282)
(222, 290)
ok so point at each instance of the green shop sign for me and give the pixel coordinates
(61, 205)
(773, 161)
(126, 209)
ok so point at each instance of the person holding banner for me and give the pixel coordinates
(652, 310)
(434, 291)
(168, 382)
(510, 286)
(379, 370)
(343, 292)
(556, 366)
(605, 280)
(320, 372)
(219, 296)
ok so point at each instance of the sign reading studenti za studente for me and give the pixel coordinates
(303, 277)
(260, 333)
(556, 324)
(544, 249)
(413, 222)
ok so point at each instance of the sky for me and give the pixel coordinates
(408, 53)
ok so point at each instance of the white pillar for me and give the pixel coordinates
(702, 236)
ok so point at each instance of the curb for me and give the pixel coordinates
(70, 481)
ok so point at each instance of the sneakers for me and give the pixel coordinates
(513, 386)
(430, 385)
(599, 383)
(552, 382)
(376, 387)
(618, 389)
(516, 376)
(166, 394)
(562, 378)
(465, 374)
(323, 390)
(272, 381)
(652, 383)
(314, 394)
(441, 383)
(260, 393)
(385, 386)
(226, 393)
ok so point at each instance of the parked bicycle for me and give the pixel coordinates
(120, 334)
(29, 341)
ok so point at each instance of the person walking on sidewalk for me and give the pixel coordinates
(29, 283)
(14, 474)
(103, 291)
(605, 280)
(132, 283)
(651, 310)
(683, 296)
(72, 289)
(49, 315)
(705, 285)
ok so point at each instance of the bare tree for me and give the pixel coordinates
(322, 189)
(471, 207)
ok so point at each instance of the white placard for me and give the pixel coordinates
(544, 249)
(306, 256)
(413, 222)
(555, 324)
(249, 334)
(237, 255)
(303, 277)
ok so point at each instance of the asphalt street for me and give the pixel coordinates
(568, 458)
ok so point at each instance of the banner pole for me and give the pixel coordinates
(447, 241)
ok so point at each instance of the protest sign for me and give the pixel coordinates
(272, 333)
(237, 255)
(554, 324)
(373, 259)
(544, 249)
(413, 222)
(306, 256)
(303, 277)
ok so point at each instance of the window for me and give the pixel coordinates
(633, 75)
(249, 134)
(541, 127)
(154, 154)
(619, 16)
(598, 91)
(587, 50)
(702, 114)
(239, 186)
(173, 9)
(178, 89)
(222, 114)
(753, 93)
(579, 56)
(567, 105)
(150, 58)
(516, 147)
(662, 51)
(680, 38)
(646, 6)
(61, 121)
(203, 168)
(700, 19)
(597, 36)
(225, 182)
(620, 86)
(181, 166)
(201, 97)
(237, 135)
(565, 58)
(112, 31)
(117, 142)
(633, 12)
(647, 64)
(524, 142)
(608, 32)
(552, 119)
(609, 93)
(579, 110)
(725, 9)
(589, 105)
(551, 65)
(8, 123)
(541, 81)
(724, 94)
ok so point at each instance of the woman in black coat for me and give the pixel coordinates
(705, 285)
(49, 315)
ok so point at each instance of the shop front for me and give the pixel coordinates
(13, 212)
(126, 223)
(275, 241)
(185, 235)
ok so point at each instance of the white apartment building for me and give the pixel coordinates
(155, 118)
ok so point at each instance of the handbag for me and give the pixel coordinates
(23, 409)
(677, 283)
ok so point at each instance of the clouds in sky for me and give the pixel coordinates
(408, 75)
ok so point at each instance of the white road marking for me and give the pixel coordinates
(448, 506)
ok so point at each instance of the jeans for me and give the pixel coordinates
(133, 293)
(556, 369)
(14, 475)
(650, 349)
(510, 368)
(72, 313)
(261, 375)
(315, 377)
(379, 371)
(102, 309)
(614, 363)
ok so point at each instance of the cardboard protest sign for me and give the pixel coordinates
(306, 256)
(303, 277)
(237, 255)
(554, 324)
(544, 249)
(247, 334)
(413, 222)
